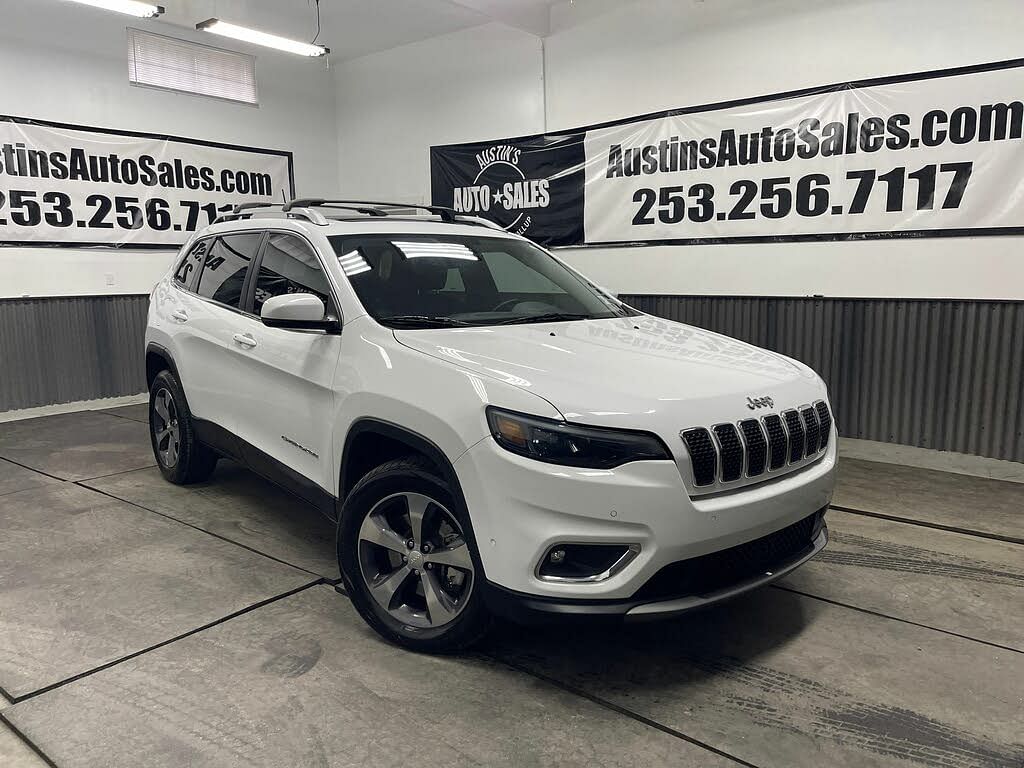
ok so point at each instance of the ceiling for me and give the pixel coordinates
(354, 28)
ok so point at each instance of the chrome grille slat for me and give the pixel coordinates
(757, 448)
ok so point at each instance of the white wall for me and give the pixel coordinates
(608, 59)
(68, 63)
(476, 84)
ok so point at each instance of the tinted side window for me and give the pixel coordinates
(190, 265)
(290, 266)
(225, 266)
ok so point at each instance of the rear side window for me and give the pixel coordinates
(226, 263)
(189, 266)
(290, 265)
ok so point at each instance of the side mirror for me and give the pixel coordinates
(297, 312)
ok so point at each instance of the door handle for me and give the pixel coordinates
(244, 339)
(180, 314)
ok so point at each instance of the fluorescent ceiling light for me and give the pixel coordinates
(256, 37)
(131, 7)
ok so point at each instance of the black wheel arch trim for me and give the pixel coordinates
(162, 351)
(416, 442)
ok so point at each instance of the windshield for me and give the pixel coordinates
(417, 281)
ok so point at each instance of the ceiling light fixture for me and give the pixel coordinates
(256, 37)
(131, 7)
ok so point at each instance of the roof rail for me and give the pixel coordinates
(449, 215)
(245, 211)
(303, 208)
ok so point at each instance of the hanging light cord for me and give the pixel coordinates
(317, 4)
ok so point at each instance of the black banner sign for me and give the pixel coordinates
(532, 186)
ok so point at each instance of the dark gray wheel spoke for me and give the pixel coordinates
(456, 556)
(160, 404)
(172, 453)
(376, 530)
(385, 588)
(417, 510)
(440, 608)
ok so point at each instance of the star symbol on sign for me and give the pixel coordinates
(497, 197)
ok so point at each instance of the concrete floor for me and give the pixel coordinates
(142, 624)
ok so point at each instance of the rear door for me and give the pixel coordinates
(286, 406)
(212, 327)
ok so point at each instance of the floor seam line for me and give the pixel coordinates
(618, 709)
(113, 474)
(880, 615)
(33, 469)
(28, 742)
(118, 415)
(135, 654)
(926, 524)
(81, 484)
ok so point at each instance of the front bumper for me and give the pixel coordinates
(520, 508)
(528, 609)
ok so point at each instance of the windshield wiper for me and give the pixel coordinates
(414, 321)
(550, 317)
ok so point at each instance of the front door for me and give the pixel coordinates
(285, 410)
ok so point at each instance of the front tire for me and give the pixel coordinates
(182, 459)
(408, 559)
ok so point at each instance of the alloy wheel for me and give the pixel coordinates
(415, 561)
(165, 428)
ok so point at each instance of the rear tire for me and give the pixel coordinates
(182, 459)
(409, 561)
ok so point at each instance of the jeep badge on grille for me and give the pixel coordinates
(754, 403)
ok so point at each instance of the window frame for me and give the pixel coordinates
(249, 287)
(193, 274)
(193, 289)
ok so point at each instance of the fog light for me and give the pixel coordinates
(585, 562)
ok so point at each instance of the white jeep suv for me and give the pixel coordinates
(494, 434)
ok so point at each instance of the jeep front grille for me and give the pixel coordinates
(774, 444)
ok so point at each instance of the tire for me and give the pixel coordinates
(182, 459)
(388, 581)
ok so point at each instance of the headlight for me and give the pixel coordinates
(557, 442)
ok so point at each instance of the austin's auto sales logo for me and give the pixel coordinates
(501, 191)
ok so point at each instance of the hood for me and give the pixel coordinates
(637, 372)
